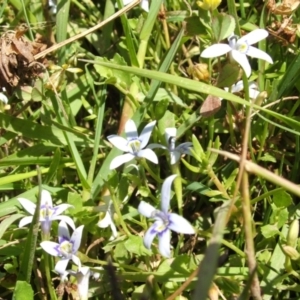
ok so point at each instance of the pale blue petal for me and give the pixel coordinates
(153, 146)
(61, 266)
(63, 231)
(184, 148)
(25, 221)
(66, 219)
(174, 157)
(146, 209)
(149, 236)
(76, 260)
(166, 193)
(146, 133)
(148, 154)
(254, 36)
(145, 5)
(170, 133)
(120, 160)
(164, 243)
(27, 205)
(131, 130)
(46, 198)
(119, 142)
(238, 87)
(76, 238)
(216, 50)
(51, 248)
(257, 53)
(180, 224)
(253, 93)
(242, 60)
(61, 208)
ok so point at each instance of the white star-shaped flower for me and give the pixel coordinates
(239, 48)
(133, 144)
(66, 247)
(48, 213)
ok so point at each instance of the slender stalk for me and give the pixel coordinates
(153, 175)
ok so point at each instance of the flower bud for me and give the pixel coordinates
(293, 233)
(199, 72)
(209, 4)
(291, 252)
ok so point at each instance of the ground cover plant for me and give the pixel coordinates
(149, 149)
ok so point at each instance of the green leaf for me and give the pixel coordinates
(282, 199)
(194, 26)
(134, 244)
(23, 291)
(269, 230)
(228, 75)
(222, 25)
(7, 222)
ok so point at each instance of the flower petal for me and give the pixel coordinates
(76, 260)
(63, 232)
(46, 198)
(257, 53)
(145, 5)
(164, 243)
(61, 266)
(119, 142)
(106, 221)
(216, 50)
(166, 193)
(120, 160)
(149, 237)
(184, 148)
(239, 86)
(242, 60)
(154, 145)
(61, 208)
(76, 238)
(253, 93)
(27, 205)
(66, 219)
(174, 157)
(254, 36)
(148, 154)
(170, 133)
(146, 209)
(146, 133)
(131, 130)
(180, 224)
(25, 221)
(3, 98)
(51, 248)
(83, 277)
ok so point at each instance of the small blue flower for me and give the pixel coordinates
(164, 221)
(66, 247)
(48, 213)
(133, 144)
(175, 152)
